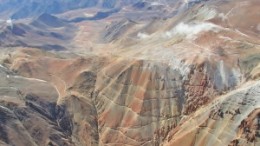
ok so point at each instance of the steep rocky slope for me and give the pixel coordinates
(47, 32)
(29, 114)
(191, 79)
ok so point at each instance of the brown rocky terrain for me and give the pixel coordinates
(188, 78)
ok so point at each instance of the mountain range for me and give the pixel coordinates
(129, 72)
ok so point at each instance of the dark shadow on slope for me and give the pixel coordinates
(98, 16)
(49, 20)
(3, 121)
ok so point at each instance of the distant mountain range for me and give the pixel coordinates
(17, 9)
(52, 19)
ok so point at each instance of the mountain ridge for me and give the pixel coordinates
(182, 73)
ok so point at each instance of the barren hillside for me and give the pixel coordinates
(154, 73)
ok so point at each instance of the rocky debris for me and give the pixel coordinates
(85, 83)
(115, 30)
(166, 88)
(250, 126)
(30, 117)
(225, 112)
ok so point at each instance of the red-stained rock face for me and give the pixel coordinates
(188, 78)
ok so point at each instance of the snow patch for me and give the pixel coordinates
(190, 31)
(225, 77)
(9, 22)
(180, 66)
(156, 4)
(237, 76)
(89, 15)
(206, 13)
(222, 16)
(222, 72)
(142, 35)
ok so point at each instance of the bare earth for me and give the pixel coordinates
(191, 79)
